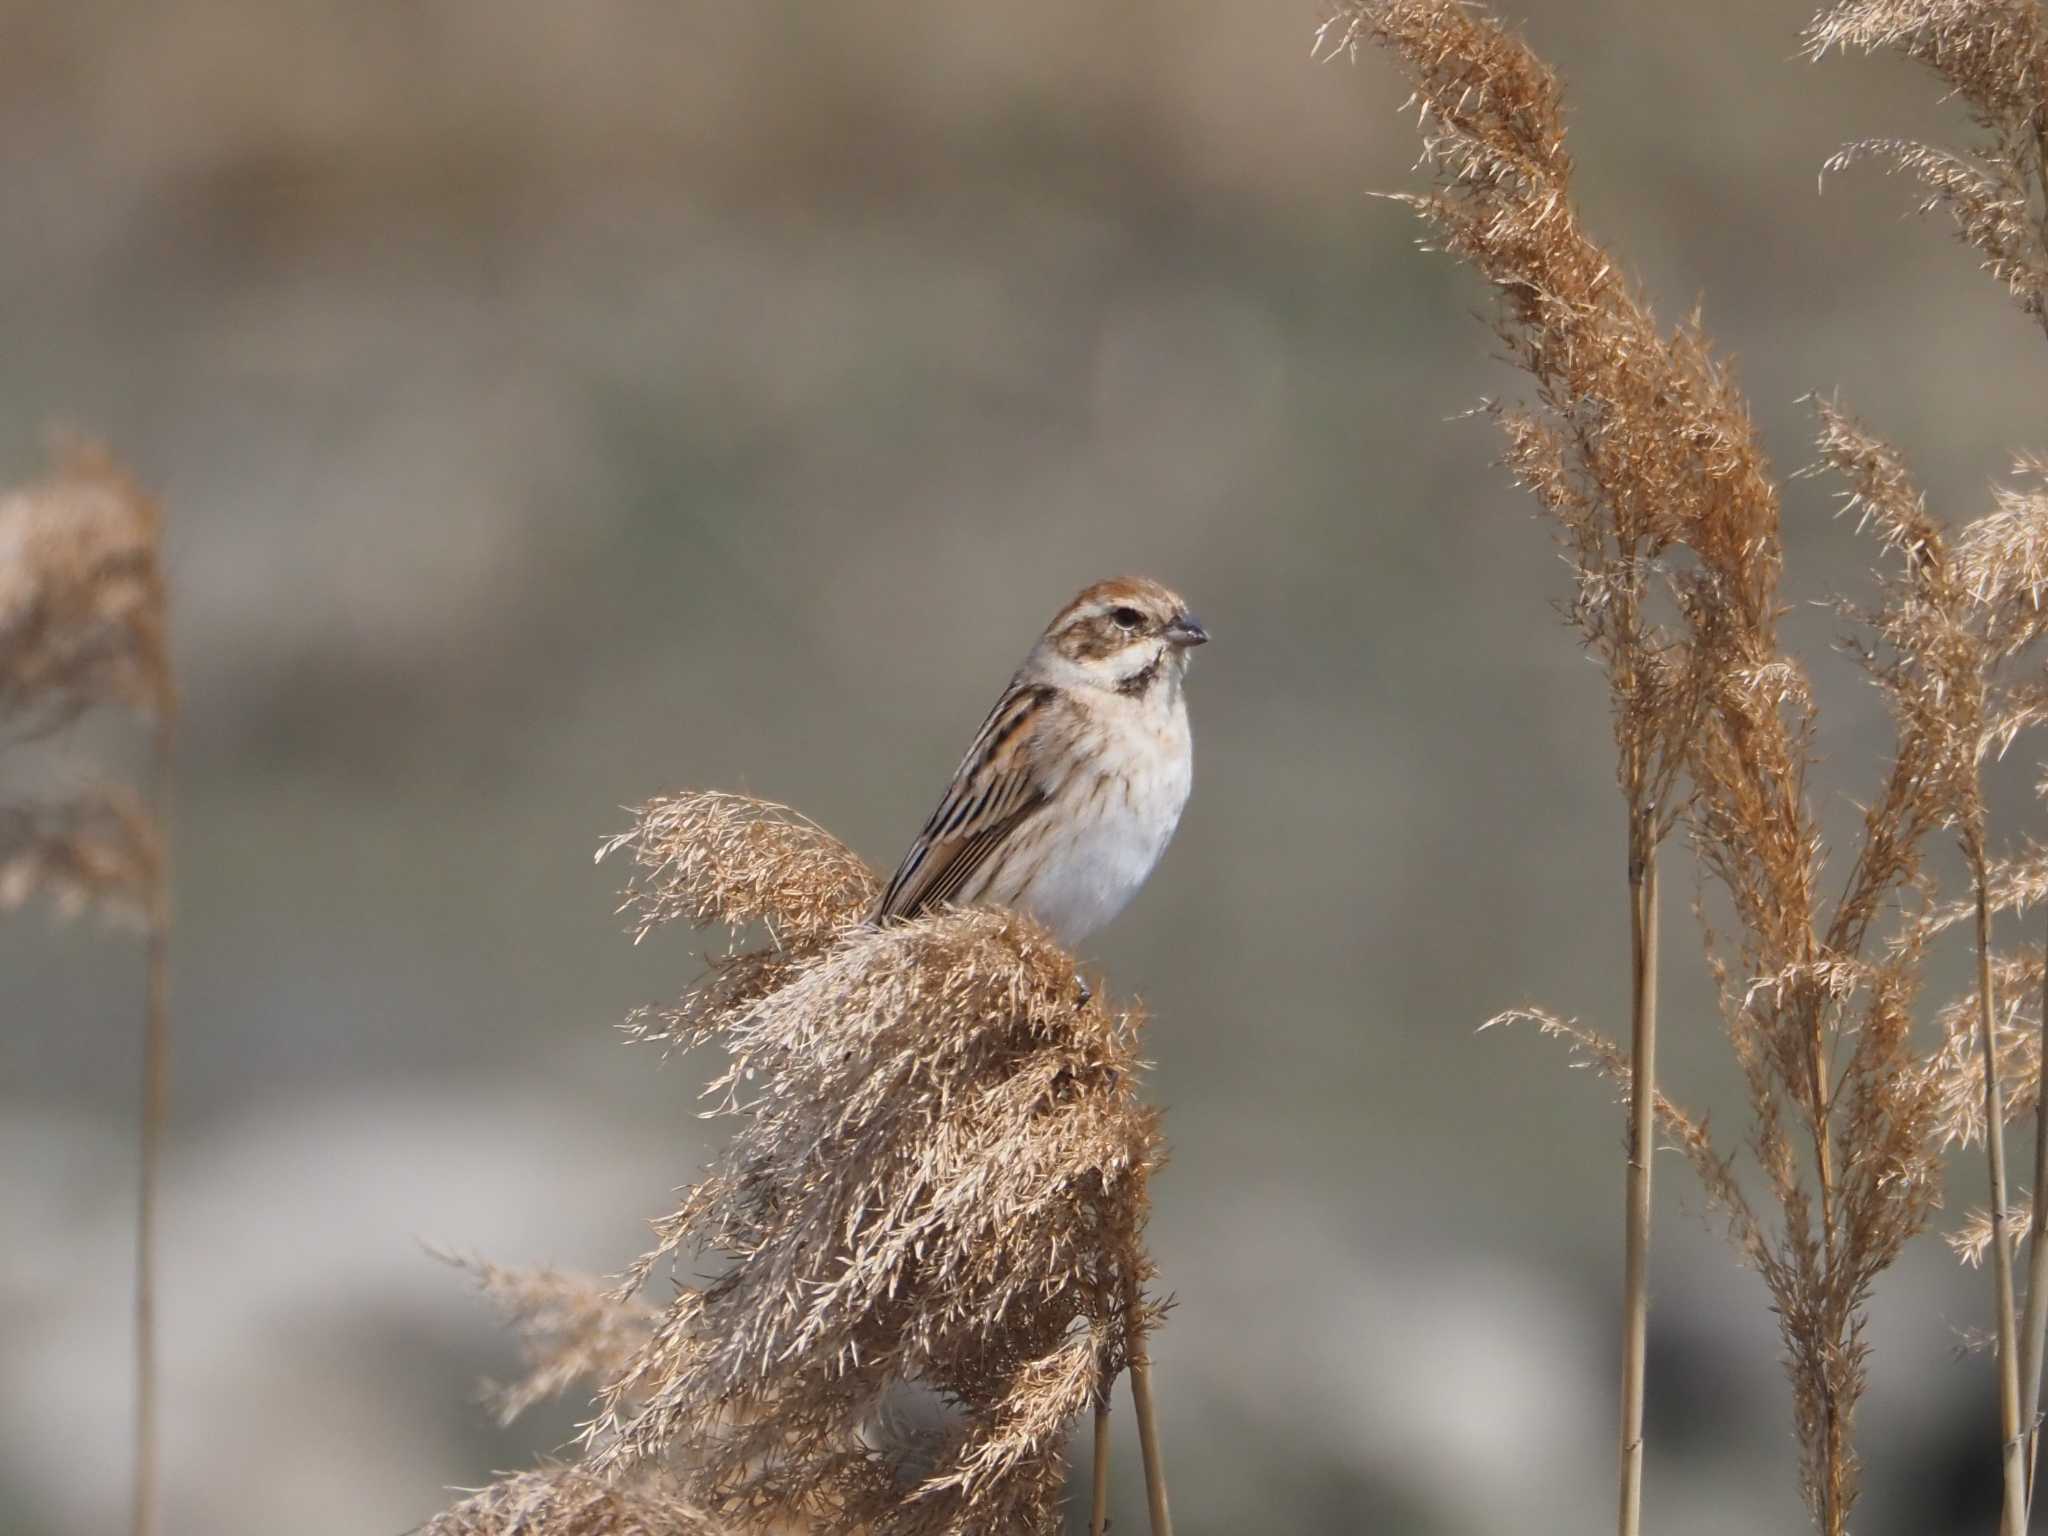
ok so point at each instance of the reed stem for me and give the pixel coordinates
(2013, 1515)
(2034, 1330)
(1832, 1508)
(1098, 1505)
(156, 1050)
(1141, 1397)
(1642, 881)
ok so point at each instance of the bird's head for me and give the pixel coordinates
(1123, 635)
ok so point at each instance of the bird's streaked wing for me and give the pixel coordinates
(996, 789)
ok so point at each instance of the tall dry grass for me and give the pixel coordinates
(925, 1232)
(82, 628)
(1992, 55)
(1639, 447)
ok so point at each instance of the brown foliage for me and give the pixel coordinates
(1640, 448)
(714, 859)
(571, 1501)
(1994, 55)
(572, 1329)
(921, 1232)
(99, 851)
(1687, 1131)
(82, 625)
(81, 595)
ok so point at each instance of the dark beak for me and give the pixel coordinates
(1186, 629)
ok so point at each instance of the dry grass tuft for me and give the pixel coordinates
(715, 859)
(1994, 55)
(570, 1501)
(1972, 1240)
(924, 1235)
(81, 595)
(82, 625)
(1958, 1065)
(101, 852)
(1640, 448)
(1964, 616)
(1687, 1131)
(572, 1329)
(939, 1182)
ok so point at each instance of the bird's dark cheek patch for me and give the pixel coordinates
(1094, 640)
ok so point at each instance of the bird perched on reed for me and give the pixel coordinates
(1076, 781)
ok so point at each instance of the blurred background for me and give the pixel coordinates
(558, 403)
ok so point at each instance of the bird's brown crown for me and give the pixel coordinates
(1112, 615)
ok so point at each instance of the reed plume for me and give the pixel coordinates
(1617, 460)
(99, 852)
(1959, 611)
(572, 1501)
(572, 1329)
(1962, 611)
(1993, 56)
(925, 1230)
(82, 626)
(1640, 449)
(81, 595)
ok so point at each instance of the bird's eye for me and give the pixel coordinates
(1126, 619)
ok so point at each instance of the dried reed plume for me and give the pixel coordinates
(572, 1329)
(1994, 55)
(81, 626)
(1960, 611)
(1640, 448)
(925, 1230)
(571, 1501)
(1618, 464)
(81, 595)
(99, 851)
(1978, 608)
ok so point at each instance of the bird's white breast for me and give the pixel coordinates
(1112, 819)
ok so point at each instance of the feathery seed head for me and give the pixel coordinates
(100, 851)
(572, 1328)
(81, 595)
(937, 1185)
(572, 1501)
(1994, 55)
(1640, 449)
(82, 624)
(733, 861)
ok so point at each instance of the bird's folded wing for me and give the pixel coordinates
(997, 789)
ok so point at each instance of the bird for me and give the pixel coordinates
(1075, 782)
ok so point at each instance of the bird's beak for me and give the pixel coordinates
(1186, 630)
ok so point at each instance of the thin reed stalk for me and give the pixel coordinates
(1642, 1130)
(1829, 1487)
(82, 628)
(2013, 1516)
(1098, 1501)
(1141, 1397)
(156, 1055)
(2034, 1325)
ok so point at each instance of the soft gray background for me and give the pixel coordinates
(556, 403)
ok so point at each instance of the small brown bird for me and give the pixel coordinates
(1075, 784)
